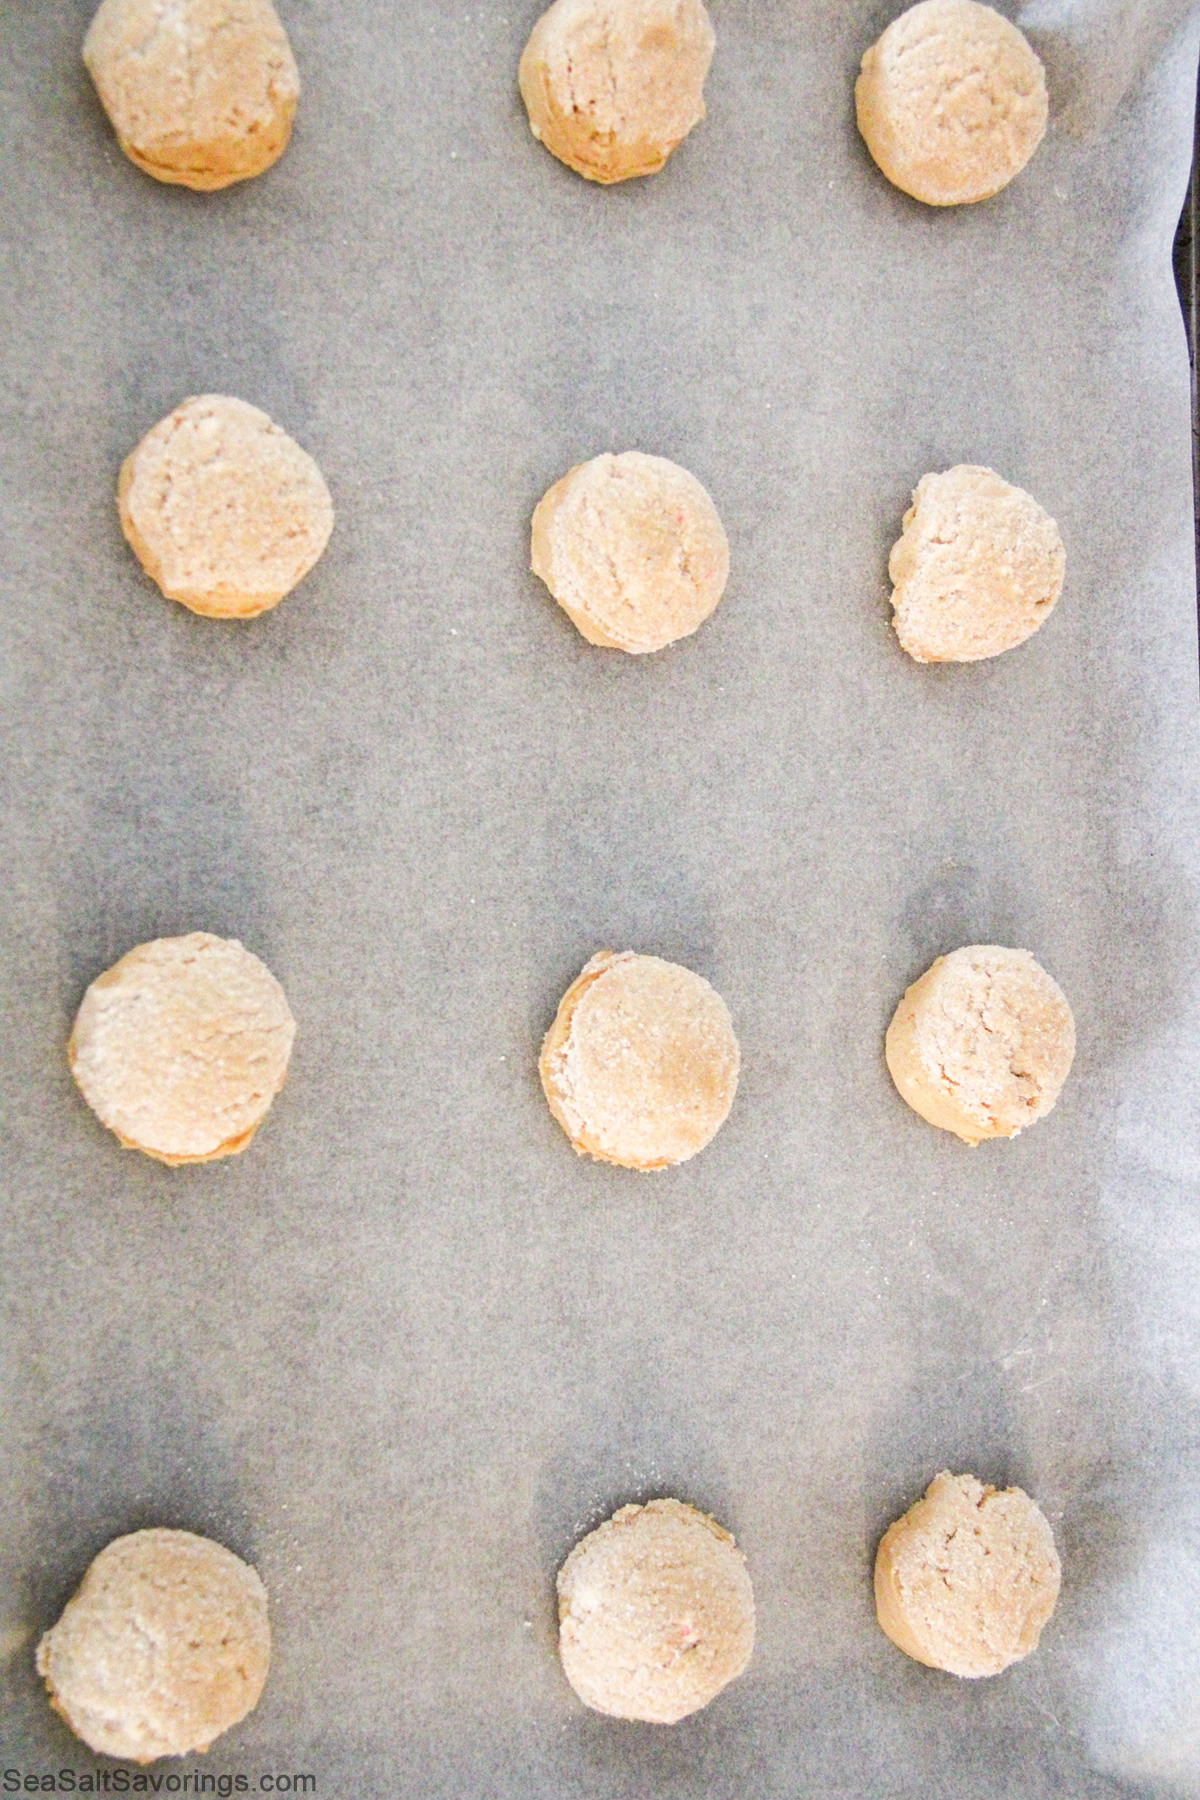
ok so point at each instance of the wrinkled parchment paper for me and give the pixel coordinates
(408, 1348)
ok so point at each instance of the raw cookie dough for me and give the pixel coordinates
(966, 1580)
(632, 549)
(223, 509)
(164, 1647)
(656, 1613)
(982, 1043)
(200, 92)
(611, 86)
(951, 102)
(641, 1063)
(977, 568)
(181, 1047)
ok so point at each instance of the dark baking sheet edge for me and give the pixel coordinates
(1187, 269)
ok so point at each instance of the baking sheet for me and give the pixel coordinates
(408, 1348)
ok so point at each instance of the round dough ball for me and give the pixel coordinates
(641, 1064)
(200, 92)
(982, 1043)
(951, 102)
(977, 568)
(223, 509)
(966, 1580)
(181, 1047)
(611, 86)
(164, 1647)
(632, 549)
(656, 1613)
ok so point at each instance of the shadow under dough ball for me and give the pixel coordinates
(180, 1048)
(223, 509)
(982, 1044)
(951, 102)
(632, 549)
(967, 1579)
(656, 1613)
(165, 1645)
(612, 86)
(641, 1063)
(200, 93)
(978, 567)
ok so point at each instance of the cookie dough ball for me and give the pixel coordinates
(200, 92)
(164, 1647)
(223, 509)
(641, 1064)
(951, 102)
(611, 86)
(982, 1043)
(977, 568)
(181, 1047)
(632, 549)
(656, 1613)
(967, 1578)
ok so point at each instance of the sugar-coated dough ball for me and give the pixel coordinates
(611, 86)
(966, 1580)
(982, 1043)
(951, 102)
(641, 1063)
(977, 568)
(200, 92)
(164, 1647)
(181, 1047)
(223, 509)
(656, 1613)
(632, 549)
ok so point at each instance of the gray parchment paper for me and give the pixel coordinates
(408, 1348)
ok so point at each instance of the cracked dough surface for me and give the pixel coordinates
(982, 1044)
(223, 509)
(641, 1063)
(951, 102)
(181, 1046)
(199, 92)
(967, 1579)
(632, 549)
(165, 1645)
(979, 565)
(656, 1613)
(612, 86)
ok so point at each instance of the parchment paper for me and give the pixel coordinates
(408, 1348)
